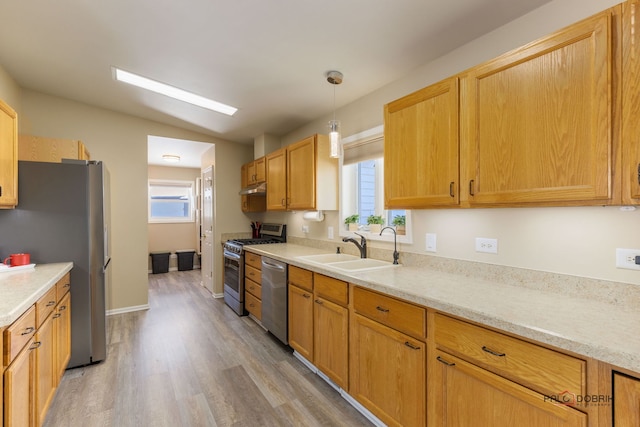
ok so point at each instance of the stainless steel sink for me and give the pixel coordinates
(328, 258)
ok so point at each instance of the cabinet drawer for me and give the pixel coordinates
(301, 278)
(19, 334)
(536, 367)
(253, 260)
(332, 289)
(45, 306)
(402, 316)
(253, 305)
(254, 288)
(253, 274)
(63, 286)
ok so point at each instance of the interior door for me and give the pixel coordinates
(207, 229)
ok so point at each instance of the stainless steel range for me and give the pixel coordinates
(234, 263)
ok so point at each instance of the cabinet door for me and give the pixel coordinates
(19, 396)
(260, 169)
(243, 184)
(466, 395)
(421, 148)
(276, 167)
(538, 120)
(630, 103)
(8, 156)
(626, 404)
(46, 372)
(301, 174)
(301, 321)
(388, 373)
(330, 340)
(62, 330)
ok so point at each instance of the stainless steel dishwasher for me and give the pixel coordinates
(274, 297)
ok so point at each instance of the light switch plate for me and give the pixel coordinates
(430, 239)
(330, 233)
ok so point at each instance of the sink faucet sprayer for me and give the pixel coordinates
(362, 245)
(396, 255)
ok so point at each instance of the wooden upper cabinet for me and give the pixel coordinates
(312, 176)
(40, 149)
(421, 148)
(630, 103)
(537, 121)
(276, 171)
(8, 156)
(255, 171)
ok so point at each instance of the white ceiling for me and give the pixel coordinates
(266, 57)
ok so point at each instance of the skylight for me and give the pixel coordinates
(173, 92)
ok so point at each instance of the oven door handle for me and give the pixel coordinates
(231, 255)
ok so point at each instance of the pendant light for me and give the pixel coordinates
(335, 78)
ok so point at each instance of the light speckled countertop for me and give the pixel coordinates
(588, 326)
(20, 289)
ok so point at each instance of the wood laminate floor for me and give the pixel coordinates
(191, 361)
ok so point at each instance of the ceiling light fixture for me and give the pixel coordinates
(173, 92)
(171, 158)
(335, 78)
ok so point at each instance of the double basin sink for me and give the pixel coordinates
(346, 262)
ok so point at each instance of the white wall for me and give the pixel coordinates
(577, 241)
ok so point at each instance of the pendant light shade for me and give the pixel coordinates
(335, 78)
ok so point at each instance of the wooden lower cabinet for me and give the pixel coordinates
(466, 395)
(19, 387)
(626, 401)
(62, 336)
(46, 375)
(331, 339)
(387, 373)
(301, 321)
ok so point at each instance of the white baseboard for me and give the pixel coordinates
(128, 309)
(346, 396)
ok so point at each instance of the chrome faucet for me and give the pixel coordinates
(362, 245)
(396, 254)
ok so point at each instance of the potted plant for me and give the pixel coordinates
(400, 222)
(352, 222)
(375, 223)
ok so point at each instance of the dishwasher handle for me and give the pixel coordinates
(273, 266)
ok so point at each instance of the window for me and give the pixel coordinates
(170, 201)
(362, 186)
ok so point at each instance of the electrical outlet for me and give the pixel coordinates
(430, 239)
(305, 228)
(626, 258)
(486, 245)
(330, 233)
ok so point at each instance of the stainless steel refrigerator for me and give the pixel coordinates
(63, 215)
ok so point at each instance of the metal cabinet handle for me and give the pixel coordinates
(67, 285)
(28, 330)
(306, 296)
(495, 353)
(411, 346)
(441, 360)
(451, 185)
(50, 303)
(382, 309)
(471, 189)
(318, 301)
(35, 345)
(62, 308)
(57, 315)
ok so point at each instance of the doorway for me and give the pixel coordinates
(207, 229)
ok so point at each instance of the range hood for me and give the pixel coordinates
(258, 189)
